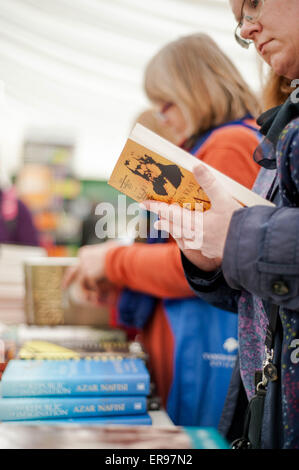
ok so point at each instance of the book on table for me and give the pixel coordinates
(150, 167)
(72, 388)
(102, 350)
(124, 420)
(75, 378)
(29, 408)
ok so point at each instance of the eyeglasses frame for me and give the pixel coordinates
(245, 43)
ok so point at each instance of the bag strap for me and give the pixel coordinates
(255, 410)
(273, 317)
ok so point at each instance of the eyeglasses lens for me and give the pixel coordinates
(251, 12)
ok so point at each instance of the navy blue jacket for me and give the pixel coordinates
(260, 267)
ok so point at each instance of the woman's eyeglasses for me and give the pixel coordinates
(251, 12)
(161, 113)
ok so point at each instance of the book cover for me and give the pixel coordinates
(47, 303)
(75, 336)
(14, 409)
(104, 350)
(128, 420)
(150, 167)
(32, 378)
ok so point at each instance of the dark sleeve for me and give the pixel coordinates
(262, 254)
(211, 287)
(262, 247)
(26, 232)
(288, 164)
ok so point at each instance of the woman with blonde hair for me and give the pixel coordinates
(200, 97)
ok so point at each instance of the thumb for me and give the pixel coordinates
(69, 276)
(208, 182)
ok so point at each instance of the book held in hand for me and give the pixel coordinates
(150, 167)
(75, 378)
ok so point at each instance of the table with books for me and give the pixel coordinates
(69, 384)
(100, 386)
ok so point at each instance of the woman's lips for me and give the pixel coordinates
(263, 45)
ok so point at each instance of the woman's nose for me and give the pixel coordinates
(248, 30)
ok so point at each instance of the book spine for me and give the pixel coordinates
(85, 387)
(15, 409)
(132, 420)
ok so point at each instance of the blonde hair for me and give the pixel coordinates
(201, 80)
(276, 90)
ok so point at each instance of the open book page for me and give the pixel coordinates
(150, 167)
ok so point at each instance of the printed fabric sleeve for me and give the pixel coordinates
(154, 269)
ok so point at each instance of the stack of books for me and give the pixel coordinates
(75, 337)
(90, 391)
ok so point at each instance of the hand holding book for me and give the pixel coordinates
(203, 231)
(153, 170)
(89, 276)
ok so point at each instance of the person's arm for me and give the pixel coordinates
(152, 269)
(261, 252)
(228, 150)
(211, 286)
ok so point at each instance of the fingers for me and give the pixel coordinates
(88, 282)
(186, 236)
(159, 208)
(173, 213)
(70, 276)
(209, 183)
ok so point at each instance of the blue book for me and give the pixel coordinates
(205, 438)
(14, 409)
(84, 377)
(132, 420)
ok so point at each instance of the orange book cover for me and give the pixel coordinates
(143, 174)
(150, 167)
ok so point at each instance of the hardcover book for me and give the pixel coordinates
(150, 167)
(14, 409)
(38, 378)
(47, 303)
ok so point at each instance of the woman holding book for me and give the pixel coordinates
(250, 263)
(200, 97)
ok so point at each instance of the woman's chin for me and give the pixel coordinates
(284, 68)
